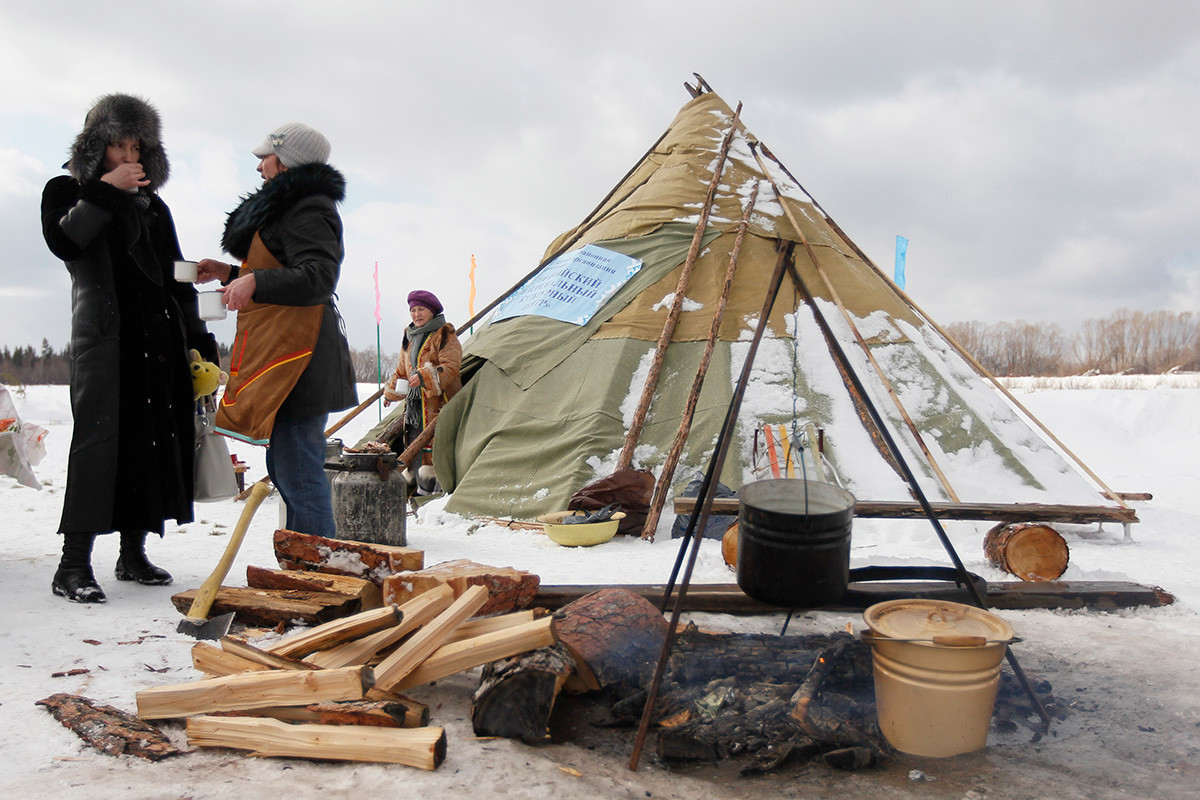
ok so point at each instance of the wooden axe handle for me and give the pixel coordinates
(208, 590)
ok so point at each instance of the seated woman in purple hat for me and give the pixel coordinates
(428, 372)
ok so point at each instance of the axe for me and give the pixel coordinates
(197, 623)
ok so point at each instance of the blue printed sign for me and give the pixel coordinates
(572, 287)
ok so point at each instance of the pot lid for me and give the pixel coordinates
(924, 619)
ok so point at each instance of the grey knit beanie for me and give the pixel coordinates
(295, 143)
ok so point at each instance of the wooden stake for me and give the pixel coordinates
(414, 747)
(663, 487)
(685, 276)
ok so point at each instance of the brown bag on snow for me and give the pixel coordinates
(631, 489)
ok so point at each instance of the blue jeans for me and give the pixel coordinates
(296, 464)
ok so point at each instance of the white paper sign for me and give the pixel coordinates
(572, 287)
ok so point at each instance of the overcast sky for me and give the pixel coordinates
(1042, 158)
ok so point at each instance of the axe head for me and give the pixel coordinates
(213, 628)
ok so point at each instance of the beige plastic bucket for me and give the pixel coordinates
(933, 698)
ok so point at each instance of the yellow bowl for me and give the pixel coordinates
(583, 534)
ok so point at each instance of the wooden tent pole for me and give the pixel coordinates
(982, 370)
(664, 339)
(695, 531)
(887, 384)
(685, 423)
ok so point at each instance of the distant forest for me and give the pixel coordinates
(1127, 343)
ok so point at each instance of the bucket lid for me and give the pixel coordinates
(924, 619)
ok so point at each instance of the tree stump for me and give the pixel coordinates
(1030, 550)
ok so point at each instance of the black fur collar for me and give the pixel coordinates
(275, 197)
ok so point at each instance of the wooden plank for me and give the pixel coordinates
(730, 599)
(267, 608)
(253, 690)
(367, 592)
(216, 662)
(1002, 512)
(415, 747)
(244, 649)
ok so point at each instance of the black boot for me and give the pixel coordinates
(74, 579)
(133, 564)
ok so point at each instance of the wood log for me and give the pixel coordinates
(414, 747)
(423, 642)
(216, 662)
(615, 637)
(413, 614)
(249, 652)
(269, 607)
(477, 651)
(253, 690)
(337, 632)
(900, 509)
(1031, 551)
(367, 592)
(109, 730)
(373, 562)
(516, 695)
(508, 589)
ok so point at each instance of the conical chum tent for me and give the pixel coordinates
(556, 371)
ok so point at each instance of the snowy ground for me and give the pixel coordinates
(1134, 730)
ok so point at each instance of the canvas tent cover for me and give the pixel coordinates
(548, 403)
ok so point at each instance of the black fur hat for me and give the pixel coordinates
(112, 118)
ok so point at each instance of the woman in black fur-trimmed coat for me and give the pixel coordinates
(132, 324)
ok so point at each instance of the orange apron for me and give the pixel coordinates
(271, 349)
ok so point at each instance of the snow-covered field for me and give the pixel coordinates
(1141, 435)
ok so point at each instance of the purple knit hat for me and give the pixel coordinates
(420, 297)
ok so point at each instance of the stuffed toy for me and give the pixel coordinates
(206, 376)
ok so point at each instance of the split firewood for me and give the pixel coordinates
(396, 712)
(254, 690)
(413, 614)
(249, 652)
(481, 625)
(215, 662)
(615, 637)
(270, 607)
(367, 592)
(516, 695)
(373, 562)
(508, 589)
(477, 651)
(337, 632)
(109, 729)
(408, 656)
(415, 747)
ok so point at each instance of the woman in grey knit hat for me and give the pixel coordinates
(132, 324)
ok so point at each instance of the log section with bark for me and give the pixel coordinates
(615, 637)
(366, 591)
(374, 562)
(269, 607)
(516, 695)
(508, 589)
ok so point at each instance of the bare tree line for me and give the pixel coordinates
(1128, 342)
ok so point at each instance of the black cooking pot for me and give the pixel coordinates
(794, 542)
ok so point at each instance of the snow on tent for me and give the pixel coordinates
(556, 372)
